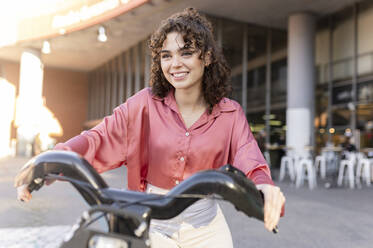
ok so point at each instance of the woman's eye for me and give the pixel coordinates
(187, 54)
(165, 56)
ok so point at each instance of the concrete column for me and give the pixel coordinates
(301, 82)
(7, 100)
(29, 100)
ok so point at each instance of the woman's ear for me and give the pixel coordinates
(208, 58)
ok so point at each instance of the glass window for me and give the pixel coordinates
(342, 94)
(232, 43)
(365, 92)
(341, 118)
(279, 81)
(343, 44)
(279, 66)
(321, 111)
(277, 131)
(257, 45)
(232, 48)
(365, 124)
(365, 114)
(277, 123)
(256, 87)
(321, 116)
(256, 66)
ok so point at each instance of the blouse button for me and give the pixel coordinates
(187, 134)
(177, 182)
(182, 159)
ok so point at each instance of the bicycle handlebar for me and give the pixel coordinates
(230, 183)
(70, 164)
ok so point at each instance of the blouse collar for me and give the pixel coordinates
(225, 104)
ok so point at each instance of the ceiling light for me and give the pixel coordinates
(46, 48)
(101, 37)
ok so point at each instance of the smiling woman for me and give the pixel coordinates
(180, 126)
(191, 35)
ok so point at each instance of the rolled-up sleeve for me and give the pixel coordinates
(246, 154)
(104, 146)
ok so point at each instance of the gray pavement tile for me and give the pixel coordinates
(33, 237)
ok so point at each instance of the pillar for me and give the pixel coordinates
(301, 82)
(29, 100)
(7, 100)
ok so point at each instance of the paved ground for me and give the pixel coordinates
(335, 217)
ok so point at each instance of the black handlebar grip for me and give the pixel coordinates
(34, 186)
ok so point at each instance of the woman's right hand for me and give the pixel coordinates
(23, 194)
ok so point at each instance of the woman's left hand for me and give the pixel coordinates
(274, 200)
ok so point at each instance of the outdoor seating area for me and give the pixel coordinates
(333, 167)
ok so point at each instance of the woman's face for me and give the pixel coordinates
(181, 66)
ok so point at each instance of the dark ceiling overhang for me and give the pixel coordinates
(78, 49)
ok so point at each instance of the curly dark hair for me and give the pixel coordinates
(196, 30)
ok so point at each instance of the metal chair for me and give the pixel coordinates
(304, 167)
(287, 165)
(363, 169)
(320, 162)
(350, 163)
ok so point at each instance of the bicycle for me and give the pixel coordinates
(128, 213)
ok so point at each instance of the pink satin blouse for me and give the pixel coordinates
(148, 135)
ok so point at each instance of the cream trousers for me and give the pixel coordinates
(201, 225)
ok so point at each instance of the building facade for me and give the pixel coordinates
(303, 81)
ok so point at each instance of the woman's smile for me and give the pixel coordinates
(179, 76)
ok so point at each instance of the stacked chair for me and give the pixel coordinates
(320, 164)
(287, 165)
(299, 168)
(305, 168)
(358, 166)
(348, 162)
(354, 167)
(363, 169)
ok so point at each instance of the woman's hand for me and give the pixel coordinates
(23, 194)
(274, 200)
